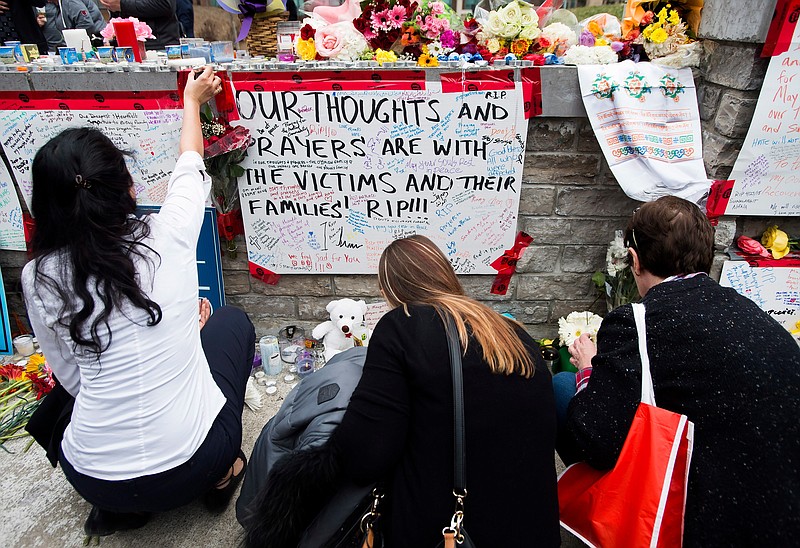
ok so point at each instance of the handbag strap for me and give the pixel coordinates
(459, 450)
(459, 480)
(648, 395)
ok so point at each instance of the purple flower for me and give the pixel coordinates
(449, 39)
(587, 39)
(617, 46)
(470, 48)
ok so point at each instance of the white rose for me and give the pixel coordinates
(509, 31)
(528, 16)
(493, 45)
(511, 13)
(530, 33)
(494, 25)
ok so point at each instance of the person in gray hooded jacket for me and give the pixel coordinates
(296, 437)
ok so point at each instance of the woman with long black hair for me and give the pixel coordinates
(113, 300)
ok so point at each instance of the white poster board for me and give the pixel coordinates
(12, 234)
(766, 174)
(145, 123)
(776, 290)
(647, 123)
(345, 163)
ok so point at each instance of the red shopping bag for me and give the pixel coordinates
(641, 501)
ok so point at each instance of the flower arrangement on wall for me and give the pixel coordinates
(429, 32)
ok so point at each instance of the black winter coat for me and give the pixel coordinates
(735, 372)
(159, 14)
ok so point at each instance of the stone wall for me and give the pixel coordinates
(570, 202)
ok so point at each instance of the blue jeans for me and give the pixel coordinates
(564, 390)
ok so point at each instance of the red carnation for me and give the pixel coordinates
(307, 32)
(544, 43)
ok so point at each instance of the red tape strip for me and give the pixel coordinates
(781, 30)
(261, 273)
(532, 91)
(718, 197)
(506, 264)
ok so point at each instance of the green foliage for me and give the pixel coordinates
(614, 9)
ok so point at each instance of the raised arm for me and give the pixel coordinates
(199, 89)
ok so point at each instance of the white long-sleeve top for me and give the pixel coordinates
(148, 402)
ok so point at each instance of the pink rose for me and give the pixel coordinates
(329, 41)
(143, 30)
(752, 247)
(437, 8)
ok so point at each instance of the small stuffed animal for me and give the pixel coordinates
(345, 329)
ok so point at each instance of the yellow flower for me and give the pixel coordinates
(427, 61)
(777, 241)
(594, 28)
(601, 42)
(385, 56)
(36, 360)
(659, 36)
(662, 15)
(306, 49)
(674, 18)
(520, 47)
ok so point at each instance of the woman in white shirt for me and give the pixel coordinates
(113, 301)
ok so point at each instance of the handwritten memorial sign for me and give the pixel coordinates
(342, 165)
(775, 290)
(766, 174)
(647, 122)
(145, 123)
(12, 235)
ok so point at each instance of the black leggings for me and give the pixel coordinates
(228, 339)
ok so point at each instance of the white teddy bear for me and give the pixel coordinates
(345, 329)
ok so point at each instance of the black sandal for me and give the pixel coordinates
(101, 523)
(216, 499)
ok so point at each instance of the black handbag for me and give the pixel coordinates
(362, 528)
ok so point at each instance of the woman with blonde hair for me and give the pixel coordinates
(399, 425)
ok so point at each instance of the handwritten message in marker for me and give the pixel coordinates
(333, 175)
(776, 290)
(767, 172)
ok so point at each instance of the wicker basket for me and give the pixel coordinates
(263, 36)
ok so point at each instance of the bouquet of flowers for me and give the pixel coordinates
(775, 244)
(513, 28)
(577, 324)
(142, 29)
(224, 147)
(338, 41)
(381, 21)
(22, 386)
(617, 282)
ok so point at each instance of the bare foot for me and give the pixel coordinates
(205, 311)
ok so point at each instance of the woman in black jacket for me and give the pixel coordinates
(398, 428)
(715, 357)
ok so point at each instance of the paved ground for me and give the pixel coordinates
(39, 508)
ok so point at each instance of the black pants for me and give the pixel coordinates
(229, 344)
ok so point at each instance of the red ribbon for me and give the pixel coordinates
(507, 263)
(792, 259)
(261, 273)
(230, 224)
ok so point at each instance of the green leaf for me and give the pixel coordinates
(236, 170)
(599, 279)
(206, 115)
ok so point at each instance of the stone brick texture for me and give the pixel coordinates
(570, 204)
